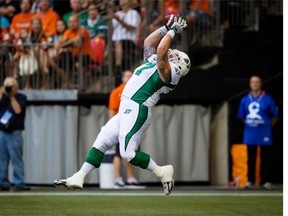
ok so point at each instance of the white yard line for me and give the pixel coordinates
(125, 193)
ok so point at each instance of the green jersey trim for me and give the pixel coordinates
(152, 85)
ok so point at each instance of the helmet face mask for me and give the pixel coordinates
(181, 59)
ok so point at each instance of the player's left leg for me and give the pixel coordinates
(134, 120)
(107, 137)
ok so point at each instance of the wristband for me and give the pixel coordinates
(171, 33)
(163, 30)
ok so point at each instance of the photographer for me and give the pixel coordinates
(12, 115)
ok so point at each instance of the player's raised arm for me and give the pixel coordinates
(162, 50)
(153, 39)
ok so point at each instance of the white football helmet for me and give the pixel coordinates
(181, 59)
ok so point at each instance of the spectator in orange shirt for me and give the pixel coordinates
(73, 35)
(71, 39)
(171, 7)
(22, 19)
(48, 17)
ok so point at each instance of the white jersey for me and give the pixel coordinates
(146, 87)
(132, 18)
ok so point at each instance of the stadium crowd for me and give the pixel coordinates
(41, 40)
(50, 44)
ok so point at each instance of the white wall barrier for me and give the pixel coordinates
(57, 139)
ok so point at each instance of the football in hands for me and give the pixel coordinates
(169, 19)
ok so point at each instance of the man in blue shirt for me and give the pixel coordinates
(259, 112)
(12, 115)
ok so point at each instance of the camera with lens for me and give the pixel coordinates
(8, 89)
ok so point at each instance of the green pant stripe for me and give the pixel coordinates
(141, 118)
(94, 157)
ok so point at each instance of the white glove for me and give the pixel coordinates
(178, 25)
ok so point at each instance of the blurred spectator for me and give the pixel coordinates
(85, 4)
(198, 21)
(4, 26)
(136, 5)
(4, 50)
(153, 18)
(40, 49)
(105, 8)
(126, 24)
(12, 117)
(171, 7)
(24, 59)
(22, 19)
(60, 29)
(259, 113)
(156, 14)
(48, 17)
(36, 6)
(97, 28)
(37, 35)
(9, 8)
(76, 7)
(197, 16)
(198, 9)
(74, 37)
(95, 24)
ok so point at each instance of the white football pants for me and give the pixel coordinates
(126, 127)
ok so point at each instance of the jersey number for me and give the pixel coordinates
(144, 67)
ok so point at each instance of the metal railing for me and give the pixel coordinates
(37, 67)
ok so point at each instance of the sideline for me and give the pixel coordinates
(135, 194)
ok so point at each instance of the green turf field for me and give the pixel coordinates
(101, 202)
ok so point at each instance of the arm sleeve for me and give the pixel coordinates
(66, 34)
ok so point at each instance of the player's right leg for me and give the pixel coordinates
(165, 173)
(134, 121)
(107, 137)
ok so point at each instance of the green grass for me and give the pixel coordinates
(129, 203)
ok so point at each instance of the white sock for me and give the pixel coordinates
(87, 168)
(152, 166)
